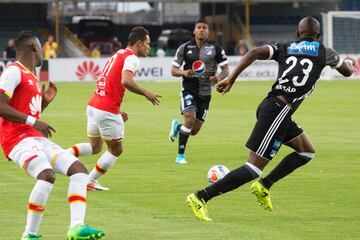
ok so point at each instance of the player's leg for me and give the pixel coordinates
(95, 143)
(251, 170)
(28, 155)
(111, 128)
(275, 119)
(270, 115)
(105, 162)
(65, 163)
(188, 110)
(304, 152)
(201, 114)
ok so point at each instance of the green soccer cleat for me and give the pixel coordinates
(31, 237)
(84, 232)
(262, 194)
(198, 207)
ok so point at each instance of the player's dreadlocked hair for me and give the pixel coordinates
(23, 39)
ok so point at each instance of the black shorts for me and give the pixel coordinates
(195, 103)
(273, 127)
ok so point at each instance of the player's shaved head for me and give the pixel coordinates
(27, 46)
(309, 27)
(24, 40)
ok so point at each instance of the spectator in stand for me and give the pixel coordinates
(96, 53)
(50, 48)
(9, 51)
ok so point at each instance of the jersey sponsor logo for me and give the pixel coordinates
(88, 70)
(304, 48)
(189, 52)
(198, 67)
(35, 104)
(285, 88)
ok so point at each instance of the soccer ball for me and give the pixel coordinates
(198, 67)
(216, 173)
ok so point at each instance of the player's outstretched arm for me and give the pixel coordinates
(346, 68)
(259, 53)
(11, 114)
(128, 80)
(48, 95)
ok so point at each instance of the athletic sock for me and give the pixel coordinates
(77, 198)
(285, 167)
(231, 181)
(106, 161)
(184, 134)
(80, 149)
(36, 206)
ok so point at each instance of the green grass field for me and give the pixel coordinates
(147, 197)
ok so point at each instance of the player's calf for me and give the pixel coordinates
(289, 163)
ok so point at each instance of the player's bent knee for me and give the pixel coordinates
(96, 149)
(47, 175)
(306, 156)
(76, 167)
(116, 152)
(194, 132)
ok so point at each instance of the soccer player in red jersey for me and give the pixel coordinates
(105, 121)
(24, 140)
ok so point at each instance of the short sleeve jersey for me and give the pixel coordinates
(210, 53)
(22, 87)
(300, 66)
(109, 91)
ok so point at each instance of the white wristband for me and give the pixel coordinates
(30, 120)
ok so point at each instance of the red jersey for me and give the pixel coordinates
(21, 85)
(109, 89)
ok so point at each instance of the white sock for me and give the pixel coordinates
(106, 161)
(36, 206)
(80, 149)
(77, 198)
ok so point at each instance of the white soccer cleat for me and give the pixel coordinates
(95, 186)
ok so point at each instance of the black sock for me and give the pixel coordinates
(183, 138)
(284, 168)
(231, 181)
(178, 127)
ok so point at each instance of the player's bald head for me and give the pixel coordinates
(309, 27)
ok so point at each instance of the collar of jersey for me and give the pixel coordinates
(26, 69)
(128, 49)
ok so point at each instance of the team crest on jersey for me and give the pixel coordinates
(35, 104)
(304, 48)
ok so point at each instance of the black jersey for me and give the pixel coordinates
(210, 53)
(300, 66)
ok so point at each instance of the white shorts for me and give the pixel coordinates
(108, 126)
(35, 154)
